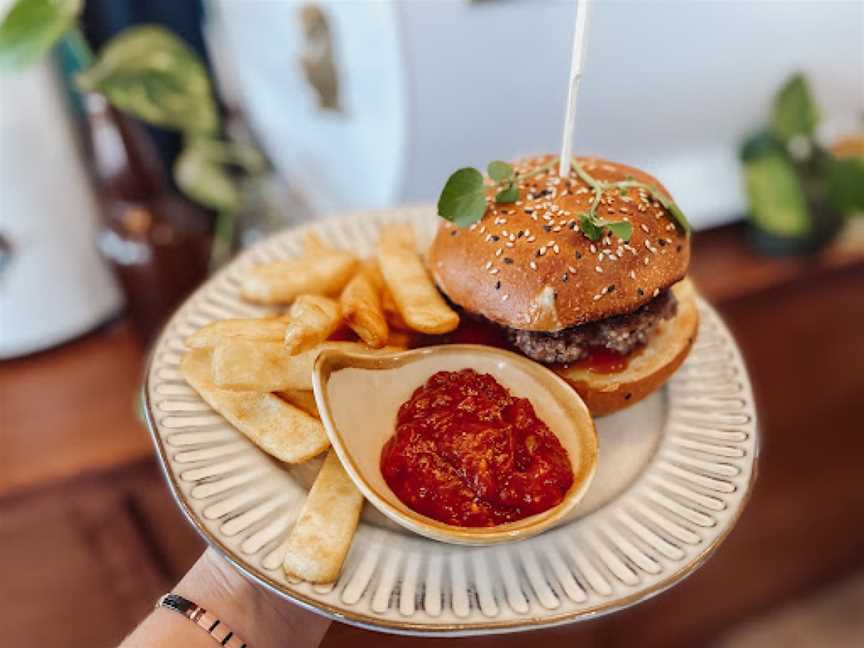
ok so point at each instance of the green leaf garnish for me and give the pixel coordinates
(509, 194)
(32, 27)
(621, 229)
(500, 171)
(794, 112)
(463, 199)
(673, 209)
(590, 228)
(150, 73)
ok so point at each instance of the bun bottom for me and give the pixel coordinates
(646, 371)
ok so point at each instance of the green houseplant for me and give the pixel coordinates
(799, 192)
(150, 74)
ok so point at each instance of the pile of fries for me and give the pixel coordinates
(257, 373)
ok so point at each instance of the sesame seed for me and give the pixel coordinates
(633, 274)
(494, 271)
(512, 237)
(593, 249)
(532, 265)
(656, 292)
(488, 265)
(531, 239)
(598, 296)
(640, 292)
(646, 260)
(494, 237)
(455, 232)
(644, 227)
(473, 226)
(509, 244)
(497, 285)
(507, 260)
(571, 269)
(557, 228)
(610, 288)
(499, 252)
(556, 249)
(598, 269)
(505, 297)
(483, 229)
(541, 251)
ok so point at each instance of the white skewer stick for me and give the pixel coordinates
(580, 37)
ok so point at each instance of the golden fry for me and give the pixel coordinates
(403, 339)
(279, 429)
(391, 311)
(361, 307)
(270, 329)
(268, 366)
(321, 272)
(322, 535)
(302, 398)
(311, 319)
(312, 243)
(416, 297)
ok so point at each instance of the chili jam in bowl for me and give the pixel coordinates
(465, 444)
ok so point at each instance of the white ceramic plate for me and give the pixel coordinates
(674, 474)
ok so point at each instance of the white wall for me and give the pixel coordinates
(670, 86)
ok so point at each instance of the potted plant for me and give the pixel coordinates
(800, 192)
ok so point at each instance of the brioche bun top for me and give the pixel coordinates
(527, 266)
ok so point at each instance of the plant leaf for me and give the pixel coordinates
(621, 229)
(846, 184)
(589, 228)
(508, 194)
(201, 173)
(32, 28)
(150, 73)
(777, 201)
(463, 199)
(795, 112)
(500, 171)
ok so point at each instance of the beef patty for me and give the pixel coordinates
(621, 333)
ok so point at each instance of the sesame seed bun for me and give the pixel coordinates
(646, 370)
(524, 266)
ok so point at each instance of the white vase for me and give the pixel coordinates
(54, 285)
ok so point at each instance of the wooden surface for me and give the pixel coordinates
(86, 521)
(72, 410)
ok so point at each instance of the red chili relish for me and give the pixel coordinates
(468, 453)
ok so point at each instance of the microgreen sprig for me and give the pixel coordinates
(463, 200)
(592, 225)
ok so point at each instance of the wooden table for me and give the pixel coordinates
(83, 507)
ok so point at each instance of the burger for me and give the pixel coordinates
(584, 273)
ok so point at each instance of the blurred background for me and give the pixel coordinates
(143, 143)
